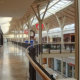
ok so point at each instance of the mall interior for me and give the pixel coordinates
(39, 39)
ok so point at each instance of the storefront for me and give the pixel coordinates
(68, 67)
(64, 68)
(71, 70)
(57, 65)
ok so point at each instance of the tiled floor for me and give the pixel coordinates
(13, 64)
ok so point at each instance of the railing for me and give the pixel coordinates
(44, 74)
(21, 44)
(68, 47)
(34, 66)
(58, 46)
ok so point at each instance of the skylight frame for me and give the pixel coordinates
(54, 10)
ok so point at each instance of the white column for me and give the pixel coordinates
(29, 35)
(38, 36)
(66, 70)
(47, 36)
(47, 29)
(47, 61)
(22, 38)
(40, 39)
(62, 38)
(17, 41)
(22, 35)
(14, 40)
(62, 67)
(61, 26)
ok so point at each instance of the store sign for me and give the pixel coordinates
(71, 64)
(37, 26)
(25, 31)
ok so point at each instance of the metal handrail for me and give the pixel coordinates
(37, 67)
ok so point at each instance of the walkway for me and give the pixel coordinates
(13, 65)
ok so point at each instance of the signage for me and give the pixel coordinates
(37, 26)
(25, 31)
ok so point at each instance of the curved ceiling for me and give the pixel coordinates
(14, 8)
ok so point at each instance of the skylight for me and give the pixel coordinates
(5, 27)
(35, 21)
(59, 6)
(56, 32)
(54, 7)
(4, 20)
(69, 27)
(50, 5)
(4, 23)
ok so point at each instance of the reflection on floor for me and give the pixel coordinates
(13, 64)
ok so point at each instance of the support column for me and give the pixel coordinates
(66, 70)
(62, 67)
(28, 24)
(22, 34)
(16, 38)
(47, 29)
(77, 36)
(38, 37)
(47, 61)
(29, 34)
(40, 20)
(40, 40)
(62, 39)
(47, 37)
(61, 25)
(40, 32)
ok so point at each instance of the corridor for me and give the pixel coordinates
(12, 63)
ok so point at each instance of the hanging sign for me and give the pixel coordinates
(25, 31)
(37, 26)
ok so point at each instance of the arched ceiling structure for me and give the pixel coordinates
(68, 11)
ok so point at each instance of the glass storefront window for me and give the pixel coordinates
(73, 71)
(59, 65)
(64, 68)
(69, 70)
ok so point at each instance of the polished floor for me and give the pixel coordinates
(13, 63)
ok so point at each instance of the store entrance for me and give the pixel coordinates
(72, 38)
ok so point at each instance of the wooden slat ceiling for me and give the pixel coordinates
(68, 12)
(14, 8)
